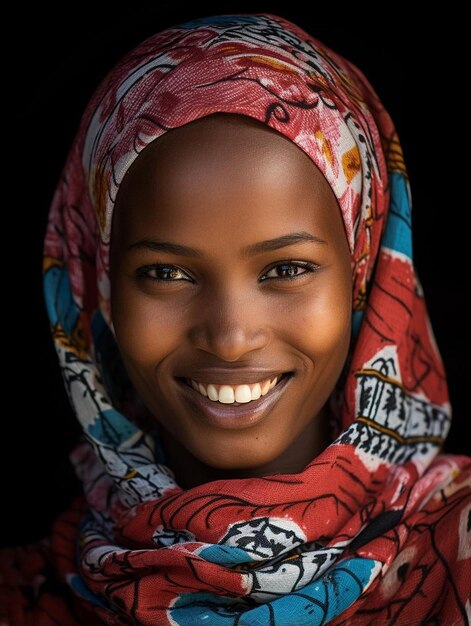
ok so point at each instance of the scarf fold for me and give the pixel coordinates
(375, 530)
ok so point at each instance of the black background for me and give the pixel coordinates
(58, 61)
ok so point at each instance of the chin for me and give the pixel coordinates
(241, 458)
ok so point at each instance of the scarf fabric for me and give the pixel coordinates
(375, 530)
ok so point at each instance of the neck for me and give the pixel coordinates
(191, 472)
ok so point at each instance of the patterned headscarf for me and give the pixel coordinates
(374, 529)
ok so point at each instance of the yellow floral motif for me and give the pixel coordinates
(228, 49)
(368, 217)
(99, 197)
(360, 300)
(50, 261)
(326, 147)
(276, 65)
(74, 343)
(351, 163)
(394, 156)
(318, 79)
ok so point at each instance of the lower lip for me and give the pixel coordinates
(233, 416)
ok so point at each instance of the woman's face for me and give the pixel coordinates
(231, 292)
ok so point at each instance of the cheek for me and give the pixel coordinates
(322, 321)
(146, 330)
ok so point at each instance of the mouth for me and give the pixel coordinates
(235, 405)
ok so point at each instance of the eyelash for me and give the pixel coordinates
(143, 272)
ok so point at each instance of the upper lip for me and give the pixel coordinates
(228, 377)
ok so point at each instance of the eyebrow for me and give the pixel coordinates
(157, 245)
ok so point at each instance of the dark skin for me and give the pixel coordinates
(231, 312)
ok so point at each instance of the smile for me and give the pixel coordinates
(229, 394)
(228, 405)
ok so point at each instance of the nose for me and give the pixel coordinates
(229, 326)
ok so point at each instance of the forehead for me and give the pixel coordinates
(228, 166)
(218, 143)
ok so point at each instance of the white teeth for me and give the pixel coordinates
(212, 392)
(256, 392)
(243, 393)
(265, 387)
(228, 394)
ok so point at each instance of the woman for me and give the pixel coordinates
(229, 280)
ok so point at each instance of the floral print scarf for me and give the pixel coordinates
(375, 529)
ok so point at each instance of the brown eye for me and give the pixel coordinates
(163, 273)
(289, 270)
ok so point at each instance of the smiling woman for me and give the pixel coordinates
(242, 334)
(237, 302)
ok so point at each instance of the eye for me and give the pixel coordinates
(289, 270)
(163, 273)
